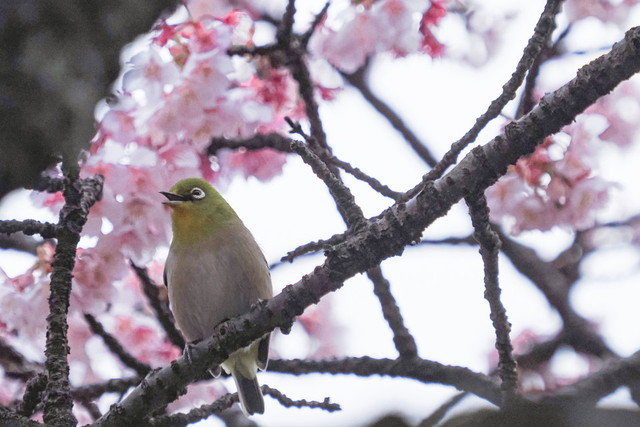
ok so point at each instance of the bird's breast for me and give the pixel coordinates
(210, 282)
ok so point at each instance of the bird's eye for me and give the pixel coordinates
(197, 193)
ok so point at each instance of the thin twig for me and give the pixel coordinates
(116, 348)
(358, 81)
(91, 408)
(48, 184)
(163, 315)
(304, 39)
(617, 373)
(555, 286)
(442, 411)
(345, 201)
(527, 100)
(20, 242)
(402, 338)
(300, 73)
(312, 247)
(241, 50)
(287, 402)
(489, 249)
(539, 39)
(15, 365)
(285, 29)
(373, 183)
(94, 391)
(196, 414)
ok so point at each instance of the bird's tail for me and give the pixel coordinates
(250, 395)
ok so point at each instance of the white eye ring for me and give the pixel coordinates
(197, 193)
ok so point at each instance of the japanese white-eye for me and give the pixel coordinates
(215, 270)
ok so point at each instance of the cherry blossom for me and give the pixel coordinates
(540, 193)
(355, 31)
(603, 10)
(542, 190)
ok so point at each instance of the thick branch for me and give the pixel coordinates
(419, 369)
(258, 141)
(615, 374)
(79, 196)
(29, 227)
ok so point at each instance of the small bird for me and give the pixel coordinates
(215, 270)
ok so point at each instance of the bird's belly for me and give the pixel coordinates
(204, 293)
(194, 308)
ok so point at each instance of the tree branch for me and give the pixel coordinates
(258, 141)
(537, 42)
(163, 315)
(358, 81)
(79, 196)
(116, 348)
(373, 183)
(302, 403)
(425, 371)
(343, 197)
(489, 250)
(32, 395)
(402, 338)
(615, 374)
(29, 227)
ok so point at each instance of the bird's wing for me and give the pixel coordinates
(263, 353)
(164, 276)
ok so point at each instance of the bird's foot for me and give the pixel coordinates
(215, 371)
(188, 350)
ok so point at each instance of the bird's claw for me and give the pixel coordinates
(188, 349)
(215, 371)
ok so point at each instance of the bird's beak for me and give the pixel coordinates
(173, 198)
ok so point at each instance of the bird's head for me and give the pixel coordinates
(196, 207)
(190, 193)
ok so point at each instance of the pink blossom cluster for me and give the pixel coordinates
(354, 31)
(539, 193)
(558, 184)
(603, 10)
